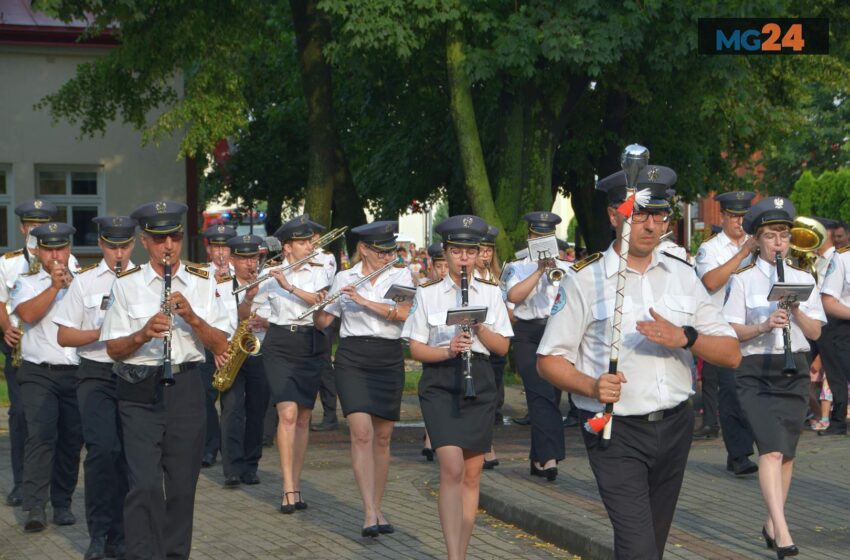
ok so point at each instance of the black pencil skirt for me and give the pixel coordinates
(451, 420)
(369, 375)
(293, 362)
(775, 404)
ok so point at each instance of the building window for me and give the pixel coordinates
(5, 206)
(78, 193)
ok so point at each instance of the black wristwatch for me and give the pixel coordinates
(691, 334)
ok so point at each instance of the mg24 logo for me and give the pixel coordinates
(763, 36)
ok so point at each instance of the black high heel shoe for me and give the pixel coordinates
(371, 531)
(427, 452)
(549, 474)
(768, 541)
(284, 507)
(299, 503)
(783, 551)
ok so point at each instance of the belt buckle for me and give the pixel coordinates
(293, 328)
(655, 416)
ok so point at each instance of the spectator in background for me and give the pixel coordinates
(840, 236)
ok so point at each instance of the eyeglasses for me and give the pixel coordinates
(458, 251)
(657, 217)
(161, 237)
(735, 217)
(772, 236)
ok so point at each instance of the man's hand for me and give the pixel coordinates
(608, 386)
(181, 306)
(221, 359)
(12, 336)
(58, 278)
(258, 324)
(280, 276)
(461, 342)
(156, 327)
(661, 331)
(778, 319)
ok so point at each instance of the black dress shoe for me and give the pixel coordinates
(232, 481)
(499, 419)
(833, 430)
(386, 529)
(116, 550)
(523, 421)
(250, 478)
(428, 453)
(63, 516)
(783, 551)
(327, 425)
(571, 422)
(370, 531)
(706, 432)
(208, 460)
(490, 465)
(15, 497)
(742, 466)
(36, 521)
(549, 474)
(96, 549)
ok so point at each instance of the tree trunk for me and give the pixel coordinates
(312, 33)
(509, 171)
(469, 143)
(274, 205)
(347, 206)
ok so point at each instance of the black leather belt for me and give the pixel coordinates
(297, 328)
(658, 415)
(184, 367)
(55, 367)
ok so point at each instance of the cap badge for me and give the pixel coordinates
(302, 220)
(160, 207)
(52, 228)
(388, 228)
(544, 216)
(467, 221)
(246, 239)
(37, 204)
(116, 222)
(778, 202)
(220, 229)
(652, 173)
(739, 195)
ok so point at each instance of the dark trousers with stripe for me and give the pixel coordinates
(834, 347)
(54, 435)
(243, 408)
(105, 468)
(17, 418)
(639, 477)
(212, 440)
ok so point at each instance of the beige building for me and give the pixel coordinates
(109, 174)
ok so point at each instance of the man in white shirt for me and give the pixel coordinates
(163, 423)
(667, 317)
(47, 379)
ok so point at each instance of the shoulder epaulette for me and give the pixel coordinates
(431, 283)
(710, 237)
(326, 252)
(197, 271)
(87, 268)
(590, 259)
(28, 274)
(399, 265)
(11, 254)
(311, 263)
(843, 249)
(483, 281)
(742, 269)
(224, 279)
(130, 271)
(680, 259)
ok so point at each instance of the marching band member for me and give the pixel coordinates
(774, 402)
(243, 406)
(47, 379)
(716, 260)
(163, 426)
(530, 289)
(218, 256)
(369, 362)
(667, 316)
(439, 269)
(292, 350)
(461, 430)
(32, 213)
(79, 317)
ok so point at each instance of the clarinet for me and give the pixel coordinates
(167, 375)
(790, 368)
(469, 386)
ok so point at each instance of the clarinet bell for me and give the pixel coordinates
(167, 376)
(469, 389)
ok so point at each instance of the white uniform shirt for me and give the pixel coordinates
(136, 297)
(714, 253)
(39, 344)
(538, 304)
(747, 305)
(232, 301)
(358, 320)
(675, 250)
(14, 264)
(286, 307)
(328, 263)
(580, 329)
(836, 282)
(84, 307)
(822, 264)
(427, 320)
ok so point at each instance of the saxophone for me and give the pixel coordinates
(17, 357)
(243, 344)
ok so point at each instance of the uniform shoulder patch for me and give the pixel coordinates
(130, 271)
(28, 274)
(843, 249)
(680, 259)
(483, 281)
(311, 263)
(743, 268)
(590, 259)
(87, 268)
(197, 271)
(399, 265)
(224, 279)
(12, 254)
(710, 237)
(431, 283)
